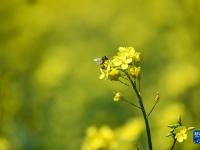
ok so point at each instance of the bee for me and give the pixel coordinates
(101, 61)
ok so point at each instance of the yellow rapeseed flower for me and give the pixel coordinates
(126, 60)
(181, 133)
(109, 72)
(127, 51)
(124, 57)
(121, 61)
(130, 53)
(103, 74)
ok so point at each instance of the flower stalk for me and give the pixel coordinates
(125, 68)
(148, 131)
(173, 145)
(178, 132)
(156, 102)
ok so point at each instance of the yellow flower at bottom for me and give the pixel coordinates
(117, 97)
(181, 133)
(131, 130)
(99, 139)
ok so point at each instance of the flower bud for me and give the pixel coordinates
(191, 128)
(114, 74)
(135, 72)
(137, 57)
(118, 97)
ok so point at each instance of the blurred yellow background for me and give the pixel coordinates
(49, 87)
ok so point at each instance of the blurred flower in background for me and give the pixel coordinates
(117, 139)
(4, 144)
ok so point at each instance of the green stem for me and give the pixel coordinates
(143, 112)
(131, 103)
(156, 102)
(173, 145)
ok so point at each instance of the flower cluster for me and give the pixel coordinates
(126, 61)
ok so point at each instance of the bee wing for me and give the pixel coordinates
(97, 60)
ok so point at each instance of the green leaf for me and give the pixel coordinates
(173, 126)
(191, 128)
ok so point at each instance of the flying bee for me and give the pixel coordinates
(101, 61)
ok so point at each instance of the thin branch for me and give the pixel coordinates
(173, 145)
(139, 85)
(123, 83)
(156, 102)
(143, 111)
(137, 147)
(132, 104)
(124, 77)
(135, 81)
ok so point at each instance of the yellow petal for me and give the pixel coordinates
(128, 61)
(185, 136)
(121, 49)
(102, 76)
(131, 51)
(180, 139)
(117, 63)
(124, 66)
